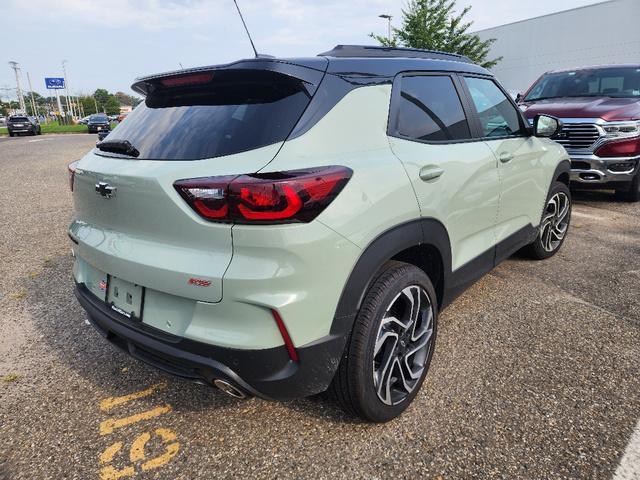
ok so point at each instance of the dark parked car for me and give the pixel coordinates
(22, 124)
(98, 123)
(600, 111)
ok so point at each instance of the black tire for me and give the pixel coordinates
(539, 249)
(353, 386)
(632, 192)
(11, 134)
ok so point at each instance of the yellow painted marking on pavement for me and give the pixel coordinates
(110, 473)
(110, 452)
(171, 450)
(112, 402)
(108, 426)
(137, 448)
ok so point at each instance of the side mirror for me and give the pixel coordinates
(518, 98)
(546, 126)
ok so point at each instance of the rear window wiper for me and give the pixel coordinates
(118, 146)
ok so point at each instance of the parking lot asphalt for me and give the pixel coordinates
(535, 374)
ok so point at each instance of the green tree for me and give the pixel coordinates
(434, 25)
(112, 106)
(101, 95)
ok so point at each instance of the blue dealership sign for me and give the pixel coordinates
(54, 83)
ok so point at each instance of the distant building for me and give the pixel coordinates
(126, 109)
(604, 33)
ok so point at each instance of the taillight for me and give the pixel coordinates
(281, 197)
(72, 173)
(622, 148)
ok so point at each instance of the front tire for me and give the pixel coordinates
(391, 345)
(632, 192)
(554, 224)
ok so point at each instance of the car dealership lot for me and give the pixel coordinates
(535, 373)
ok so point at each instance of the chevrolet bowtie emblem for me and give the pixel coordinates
(105, 190)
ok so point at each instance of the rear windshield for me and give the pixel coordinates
(234, 111)
(18, 119)
(98, 118)
(602, 82)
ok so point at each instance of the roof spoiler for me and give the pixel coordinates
(309, 70)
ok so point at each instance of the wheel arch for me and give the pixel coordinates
(423, 243)
(561, 173)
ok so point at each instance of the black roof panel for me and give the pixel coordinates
(342, 51)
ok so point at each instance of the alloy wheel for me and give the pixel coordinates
(403, 344)
(555, 221)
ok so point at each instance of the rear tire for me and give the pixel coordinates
(554, 224)
(632, 192)
(390, 348)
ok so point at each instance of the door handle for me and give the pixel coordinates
(505, 157)
(430, 173)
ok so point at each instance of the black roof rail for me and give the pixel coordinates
(346, 51)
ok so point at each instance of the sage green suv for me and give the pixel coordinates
(282, 227)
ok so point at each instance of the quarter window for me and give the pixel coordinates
(498, 116)
(430, 110)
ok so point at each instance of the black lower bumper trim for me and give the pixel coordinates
(267, 373)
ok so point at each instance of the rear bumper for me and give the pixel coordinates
(590, 170)
(267, 373)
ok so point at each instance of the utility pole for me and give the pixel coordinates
(388, 18)
(95, 103)
(16, 69)
(33, 102)
(66, 89)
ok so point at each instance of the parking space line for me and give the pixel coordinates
(112, 402)
(108, 426)
(629, 467)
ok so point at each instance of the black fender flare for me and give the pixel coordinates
(563, 167)
(424, 231)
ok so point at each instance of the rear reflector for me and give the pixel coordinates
(72, 173)
(291, 350)
(280, 197)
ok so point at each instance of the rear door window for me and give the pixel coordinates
(235, 111)
(429, 110)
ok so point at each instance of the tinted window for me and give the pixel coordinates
(238, 110)
(429, 109)
(98, 118)
(610, 82)
(498, 116)
(18, 119)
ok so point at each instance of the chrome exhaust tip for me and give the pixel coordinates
(229, 389)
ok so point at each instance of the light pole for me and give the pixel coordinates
(16, 69)
(388, 18)
(66, 89)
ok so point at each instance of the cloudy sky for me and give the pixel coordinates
(109, 43)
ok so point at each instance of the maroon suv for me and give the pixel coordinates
(600, 111)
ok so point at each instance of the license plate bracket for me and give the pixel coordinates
(125, 297)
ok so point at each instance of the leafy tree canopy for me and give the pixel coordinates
(434, 25)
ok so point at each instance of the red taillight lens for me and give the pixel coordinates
(72, 173)
(282, 197)
(207, 196)
(622, 148)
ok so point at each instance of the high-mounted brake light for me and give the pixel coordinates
(189, 79)
(72, 173)
(281, 197)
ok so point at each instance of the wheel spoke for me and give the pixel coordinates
(403, 344)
